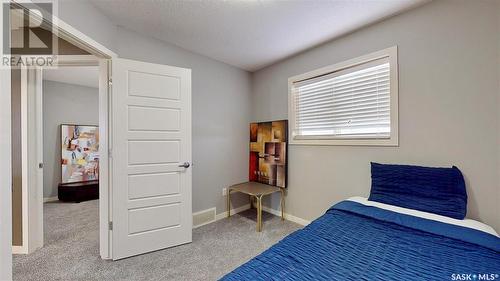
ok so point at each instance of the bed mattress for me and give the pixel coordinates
(356, 241)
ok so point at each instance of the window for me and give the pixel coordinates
(350, 103)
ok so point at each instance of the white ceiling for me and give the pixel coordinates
(78, 75)
(249, 34)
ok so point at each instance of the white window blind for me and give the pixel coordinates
(352, 103)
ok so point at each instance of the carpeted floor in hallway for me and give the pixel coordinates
(71, 250)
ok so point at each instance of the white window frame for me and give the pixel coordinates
(392, 55)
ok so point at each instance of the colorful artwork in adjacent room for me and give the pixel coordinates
(268, 152)
(79, 153)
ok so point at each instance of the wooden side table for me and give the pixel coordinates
(256, 190)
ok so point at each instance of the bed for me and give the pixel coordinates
(362, 239)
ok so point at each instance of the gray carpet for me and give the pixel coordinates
(71, 250)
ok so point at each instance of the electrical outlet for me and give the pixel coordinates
(224, 191)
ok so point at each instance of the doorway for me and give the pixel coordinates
(53, 99)
(69, 140)
(70, 129)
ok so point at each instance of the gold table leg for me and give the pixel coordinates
(228, 202)
(259, 213)
(282, 203)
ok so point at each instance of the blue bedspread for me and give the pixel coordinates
(352, 241)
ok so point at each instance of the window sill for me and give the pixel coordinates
(347, 142)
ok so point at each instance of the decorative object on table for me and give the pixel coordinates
(268, 152)
(79, 153)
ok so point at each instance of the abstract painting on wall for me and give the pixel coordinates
(268, 152)
(80, 153)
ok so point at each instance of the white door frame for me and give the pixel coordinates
(32, 151)
(32, 216)
(5, 170)
(71, 34)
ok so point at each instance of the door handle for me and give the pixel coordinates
(185, 165)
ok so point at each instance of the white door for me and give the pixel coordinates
(151, 142)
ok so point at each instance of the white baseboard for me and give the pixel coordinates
(50, 199)
(211, 212)
(221, 215)
(288, 217)
(19, 250)
(245, 207)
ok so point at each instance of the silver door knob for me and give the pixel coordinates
(185, 165)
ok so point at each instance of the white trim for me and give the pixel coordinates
(277, 213)
(19, 250)
(37, 210)
(288, 217)
(32, 176)
(24, 159)
(50, 199)
(105, 236)
(222, 215)
(32, 153)
(5, 169)
(240, 209)
(392, 54)
(77, 60)
(245, 207)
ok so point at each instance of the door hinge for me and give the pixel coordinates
(110, 81)
(110, 153)
(40, 165)
(110, 225)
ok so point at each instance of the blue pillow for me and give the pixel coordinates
(435, 190)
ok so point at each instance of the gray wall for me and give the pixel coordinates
(448, 106)
(63, 104)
